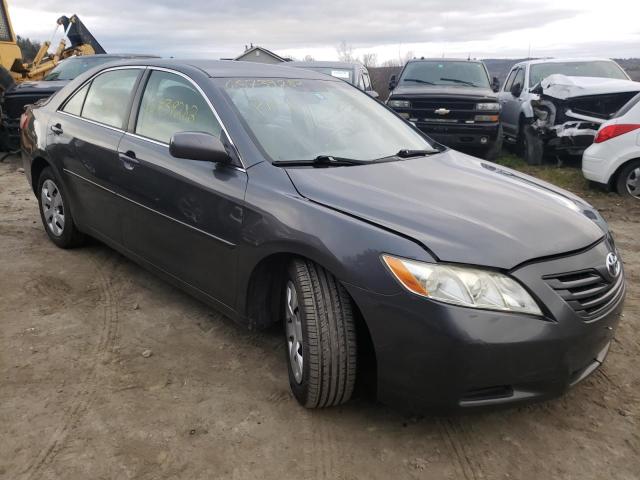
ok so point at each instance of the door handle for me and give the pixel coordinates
(57, 129)
(129, 159)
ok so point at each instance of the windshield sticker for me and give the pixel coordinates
(262, 82)
(343, 74)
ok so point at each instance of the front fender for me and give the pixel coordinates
(279, 221)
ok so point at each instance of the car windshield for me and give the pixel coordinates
(461, 73)
(341, 73)
(72, 67)
(603, 68)
(296, 119)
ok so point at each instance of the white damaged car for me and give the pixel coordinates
(555, 106)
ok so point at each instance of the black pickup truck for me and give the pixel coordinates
(451, 100)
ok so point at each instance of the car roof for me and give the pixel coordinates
(115, 56)
(231, 68)
(417, 60)
(563, 60)
(319, 63)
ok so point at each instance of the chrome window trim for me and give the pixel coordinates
(222, 240)
(242, 168)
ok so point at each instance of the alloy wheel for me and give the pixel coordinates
(633, 182)
(293, 327)
(52, 207)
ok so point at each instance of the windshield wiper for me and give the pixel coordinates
(457, 80)
(321, 161)
(416, 153)
(417, 80)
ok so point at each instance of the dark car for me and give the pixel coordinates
(453, 101)
(15, 98)
(354, 73)
(282, 195)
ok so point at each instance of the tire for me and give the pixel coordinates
(318, 309)
(533, 146)
(55, 211)
(628, 181)
(494, 150)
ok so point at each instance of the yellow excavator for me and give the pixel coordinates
(12, 67)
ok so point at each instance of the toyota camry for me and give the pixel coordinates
(282, 195)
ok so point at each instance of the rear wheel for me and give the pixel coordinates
(320, 336)
(55, 212)
(628, 183)
(492, 152)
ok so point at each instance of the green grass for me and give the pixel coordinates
(566, 176)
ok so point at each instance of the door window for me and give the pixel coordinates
(74, 104)
(109, 95)
(509, 82)
(367, 81)
(170, 104)
(519, 78)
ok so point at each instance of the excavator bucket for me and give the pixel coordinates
(78, 34)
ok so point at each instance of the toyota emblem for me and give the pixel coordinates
(613, 264)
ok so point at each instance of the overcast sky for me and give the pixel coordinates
(389, 28)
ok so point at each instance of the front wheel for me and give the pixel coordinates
(320, 336)
(628, 183)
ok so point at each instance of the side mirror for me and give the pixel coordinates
(516, 89)
(198, 146)
(495, 84)
(393, 82)
(372, 93)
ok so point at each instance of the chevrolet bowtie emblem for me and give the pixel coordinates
(442, 111)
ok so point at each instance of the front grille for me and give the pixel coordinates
(589, 293)
(459, 110)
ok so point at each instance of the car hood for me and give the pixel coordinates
(563, 87)
(40, 87)
(460, 208)
(442, 91)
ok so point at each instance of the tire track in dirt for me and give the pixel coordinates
(320, 449)
(453, 433)
(85, 396)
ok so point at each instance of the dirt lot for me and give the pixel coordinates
(78, 400)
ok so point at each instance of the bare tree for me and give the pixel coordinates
(407, 56)
(369, 59)
(393, 62)
(345, 52)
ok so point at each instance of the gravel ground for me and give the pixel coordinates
(107, 372)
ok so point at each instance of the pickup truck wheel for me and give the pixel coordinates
(628, 183)
(533, 146)
(320, 336)
(55, 212)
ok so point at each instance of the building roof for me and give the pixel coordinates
(262, 50)
(326, 64)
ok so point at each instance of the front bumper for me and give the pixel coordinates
(478, 136)
(432, 355)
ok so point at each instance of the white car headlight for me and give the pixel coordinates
(399, 103)
(469, 287)
(488, 107)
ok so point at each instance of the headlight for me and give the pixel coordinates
(488, 107)
(399, 103)
(469, 287)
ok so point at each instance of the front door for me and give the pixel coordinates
(184, 216)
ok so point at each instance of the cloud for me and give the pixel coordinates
(221, 28)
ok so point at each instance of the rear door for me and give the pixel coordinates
(184, 216)
(84, 135)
